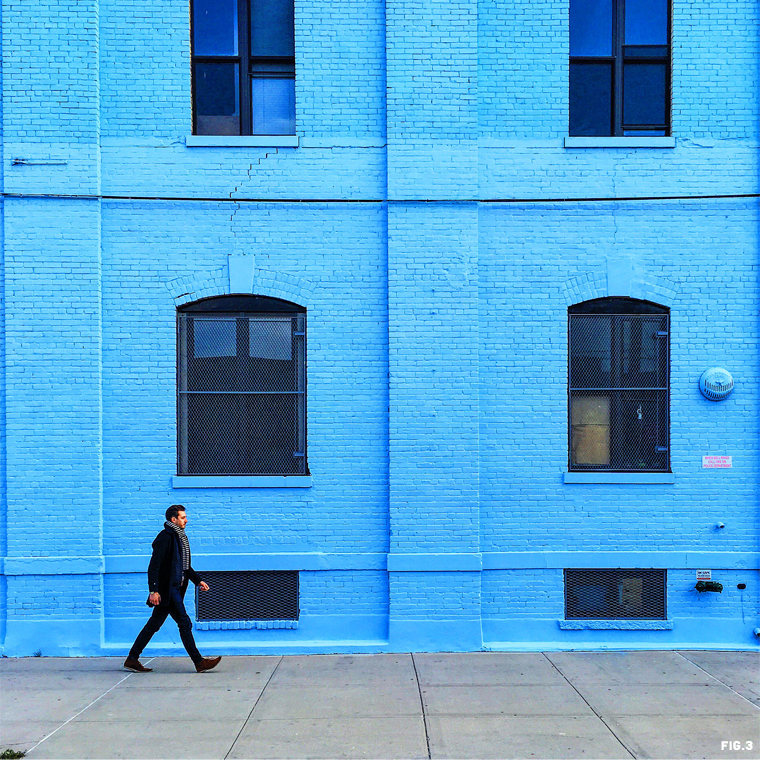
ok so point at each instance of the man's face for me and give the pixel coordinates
(180, 520)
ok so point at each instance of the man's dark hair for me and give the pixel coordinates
(174, 510)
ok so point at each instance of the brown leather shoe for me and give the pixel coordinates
(207, 663)
(133, 664)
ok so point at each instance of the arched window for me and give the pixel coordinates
(618, 386)
(241, 390)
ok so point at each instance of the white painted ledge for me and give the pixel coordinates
(620, 142)
(241, 481)
(247, 141)
(620, 477)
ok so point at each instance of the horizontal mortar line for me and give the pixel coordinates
(62, 196)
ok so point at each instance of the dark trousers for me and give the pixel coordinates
(175, 608)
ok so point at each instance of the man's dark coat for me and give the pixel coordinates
(165, 568)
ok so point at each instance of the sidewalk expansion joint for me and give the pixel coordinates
(607, 725)
(245, 722)
(422, 705)
(65, 723)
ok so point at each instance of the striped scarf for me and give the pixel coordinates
(184, 545)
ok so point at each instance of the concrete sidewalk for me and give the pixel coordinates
(478, 705)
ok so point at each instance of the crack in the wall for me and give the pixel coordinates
(236, 189)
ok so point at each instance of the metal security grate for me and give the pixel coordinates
(241, 393)
(618, 392)
(615, 594)
(249, 595)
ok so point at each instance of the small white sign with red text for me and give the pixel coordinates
(704, 575)
(716, 463)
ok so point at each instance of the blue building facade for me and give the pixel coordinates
(438, 224)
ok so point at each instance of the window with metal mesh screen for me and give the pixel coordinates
(618, 386)
(615, 594)
(249, 595)
(241, 396)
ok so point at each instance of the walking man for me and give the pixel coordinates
(168, 573)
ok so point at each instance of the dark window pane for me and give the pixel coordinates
(645, 51)
(590, 27)
(644, 94)
(214, 338)
(646, 22)
(590, 99)
(215, 29)
(274, 106)
(591, 351)
(217, 110)
(272, 28)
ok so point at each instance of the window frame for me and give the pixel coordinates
(230, 308)
(612, 307)
(276, 67)
(617, 60)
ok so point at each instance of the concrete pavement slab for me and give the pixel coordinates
(628, 667)
(58, 680)
(485, 668)
(157, 704)
(141, 739)
(22, 735)
(396, 737)
(665, 699)
(738, 670)
(46, 704)
(292, 702)
(237, 672)
(689, 737)
(31, 665)
(520, 699)
(345, 669)
(510, 736)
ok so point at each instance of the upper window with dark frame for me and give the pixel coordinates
(618, 394)
(243, 67)
(241, 387)
(619, 67)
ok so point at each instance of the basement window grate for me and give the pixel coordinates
(615, 594)
(249, 595)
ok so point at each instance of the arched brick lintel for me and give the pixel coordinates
(622, 276)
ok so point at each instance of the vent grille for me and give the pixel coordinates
(249, 595)
(615, 594)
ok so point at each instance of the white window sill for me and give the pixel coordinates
(247, 141)
(620, 477)
(620, 142)
(241, 481)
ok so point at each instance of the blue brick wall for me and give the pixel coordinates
(435, 596)
(533, 593)
(436, 229)
(342, 254)
(524, 377)
(522, 69)
(344, 593)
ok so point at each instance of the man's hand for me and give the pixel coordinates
(203, 586)
(154, 598)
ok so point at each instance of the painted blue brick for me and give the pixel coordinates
(436, 230)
